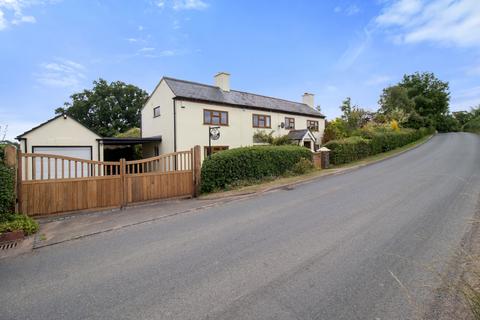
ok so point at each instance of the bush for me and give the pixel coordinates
(372, 142)
(348, 149)
(302, 166)
(249, 163)
(472, 125)
(7, 188)
(14, 222)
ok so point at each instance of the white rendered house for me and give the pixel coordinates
(181, 112)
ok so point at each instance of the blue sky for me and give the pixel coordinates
(335, 49)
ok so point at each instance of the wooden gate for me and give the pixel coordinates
(49, 184)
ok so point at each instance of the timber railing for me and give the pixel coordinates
(53, 184)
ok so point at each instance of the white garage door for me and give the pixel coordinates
(73, 152)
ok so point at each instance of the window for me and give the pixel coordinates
(156, 112)
(261, 121)
(156, 151)
(219, 118)
(289, 123)
(312, 125)
(215, 149)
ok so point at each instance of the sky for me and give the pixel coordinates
(50, 49)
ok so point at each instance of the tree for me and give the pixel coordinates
(354, 116)
(107, 109)
(420, 99)
(463, 116)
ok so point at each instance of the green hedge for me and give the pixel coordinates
(7, 185)
(249, 163)
(472, 125)
(371, 143)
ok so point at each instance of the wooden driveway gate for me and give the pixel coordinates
(49, 184)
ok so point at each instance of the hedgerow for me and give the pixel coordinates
(371, 143)
(7, 185)
(250, 163)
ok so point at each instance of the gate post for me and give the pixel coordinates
(17, 160)
(197, 169)
(123, 188)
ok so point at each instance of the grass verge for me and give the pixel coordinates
(269, 183)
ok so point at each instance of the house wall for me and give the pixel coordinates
(191, 131)
(62, 132)
(162, 125)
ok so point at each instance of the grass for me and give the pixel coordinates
(253, 186)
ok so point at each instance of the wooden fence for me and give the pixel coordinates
(49, 184)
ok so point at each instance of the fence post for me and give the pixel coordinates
(197, 167)
(123, 181)
(18, 179)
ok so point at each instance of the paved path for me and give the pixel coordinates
(336, 248)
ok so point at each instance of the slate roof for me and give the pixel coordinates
(203, 92)
(298, 134)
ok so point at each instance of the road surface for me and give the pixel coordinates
(360, 245)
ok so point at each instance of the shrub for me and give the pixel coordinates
(372, 142)
(302, 166)
(263, 137)
(14, 222)
(472, 125)
(249, 163)
(348, 150)
(7, 188)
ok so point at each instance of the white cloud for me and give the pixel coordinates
(3, 21)
(352, 53)
(377, 79)
(61, 73)
(447, 22)
(189, 5)
(349, 10)
(352, 10)
(12, 11)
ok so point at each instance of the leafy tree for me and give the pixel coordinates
(108, 108)
(463, 116)
(354, 116)
(334, 130)
(419, 100)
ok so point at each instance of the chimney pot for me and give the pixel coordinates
(222, 80)
(308, 99)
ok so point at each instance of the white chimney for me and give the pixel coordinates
(222, 80)
(308, 99)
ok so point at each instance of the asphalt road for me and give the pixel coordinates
(361, 245)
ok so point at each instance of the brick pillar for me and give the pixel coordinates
(325, 155)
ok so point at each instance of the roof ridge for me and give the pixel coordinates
(255, 94)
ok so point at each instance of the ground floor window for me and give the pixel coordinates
(214, 149)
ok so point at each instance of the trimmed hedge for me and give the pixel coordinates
(7, 185)
(249, 163)
(371, 143)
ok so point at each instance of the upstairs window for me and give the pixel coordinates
(312, 125)
(261, 121)
(213, 117)
(289, 123)
(156, 112)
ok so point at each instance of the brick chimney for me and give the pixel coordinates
(222, 80)
(308, 99)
